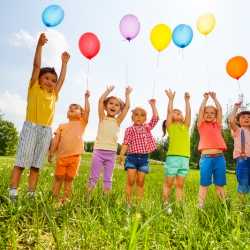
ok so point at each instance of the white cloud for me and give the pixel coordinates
(22, 39)
(13, 107)
(52, 51)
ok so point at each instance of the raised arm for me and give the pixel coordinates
(155, 115)
(60, 81)
(86, 106)
(218, 106)
(37, 59)
(170, 94)
(202, 108)
(187, 120)
(101, 101)
(124, 112)
(232, 117)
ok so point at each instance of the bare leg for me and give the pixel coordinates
(220, 192)
(131, 176)
(33, 179)
(179, 188)
(15, 177)
(202, 195)
(67, 188)
(167, 187)
(58, 180)
(140, 185)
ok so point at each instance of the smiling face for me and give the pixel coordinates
(48, 81)
(177, 116)
(74, 112)
(244, 120)
(210, 114)
(139, 116)
(112, 106)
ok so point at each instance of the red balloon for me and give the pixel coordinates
(89, 45)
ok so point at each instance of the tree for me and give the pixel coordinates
(161, 151)
(194, 141)
(8, 137)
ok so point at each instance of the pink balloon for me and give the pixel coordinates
(129, 27)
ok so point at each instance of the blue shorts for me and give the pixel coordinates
(243, 174)
(138, 162)
(212, 170)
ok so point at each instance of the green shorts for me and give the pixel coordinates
(176, 166)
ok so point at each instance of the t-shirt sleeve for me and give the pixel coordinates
(127, 136)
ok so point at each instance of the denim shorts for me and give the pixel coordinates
(212, 170)
(243, 174)
(138, 162)
(176, 166)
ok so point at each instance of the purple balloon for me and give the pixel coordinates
(129, 27)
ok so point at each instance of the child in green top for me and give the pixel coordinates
(177, 162)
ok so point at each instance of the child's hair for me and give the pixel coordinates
(139, 108)
(122, 104)
(77, 105)
(211, 106)
(47, 70)
(246, 112)
(164, 127)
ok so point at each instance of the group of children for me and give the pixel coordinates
(67, 145)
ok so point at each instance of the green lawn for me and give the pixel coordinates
(104, 223)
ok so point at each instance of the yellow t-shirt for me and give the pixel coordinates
(107, 134)
(40, 105)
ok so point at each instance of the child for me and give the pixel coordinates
(177, 162)
(35, 136)
(68, 146)
(211, 146)
(112, 112)
(240, 128)
(138, 143)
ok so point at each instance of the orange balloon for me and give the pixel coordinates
(237, 67)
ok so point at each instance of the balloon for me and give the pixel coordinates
(182, 35)
(206, 23)
(129, 27)
(52, 15)
(160, 37)
(237, 67)
(89, 45)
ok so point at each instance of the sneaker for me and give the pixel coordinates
(31, 194)
(168, 209)
(13, 194)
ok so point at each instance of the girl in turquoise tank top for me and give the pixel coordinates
(177, 163)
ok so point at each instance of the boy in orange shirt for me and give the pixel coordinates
(67, 144)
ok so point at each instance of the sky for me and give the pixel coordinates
(200, 68)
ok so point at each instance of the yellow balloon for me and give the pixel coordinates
(161, 36)
(206, 23)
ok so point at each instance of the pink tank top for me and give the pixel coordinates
(210, 136)
(241, 142)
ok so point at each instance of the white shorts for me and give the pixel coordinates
(33, 145)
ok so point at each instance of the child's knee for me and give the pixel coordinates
(59, 178)
(140, 183)
(34, 170)
(68, 178)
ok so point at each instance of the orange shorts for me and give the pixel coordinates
(67, 165)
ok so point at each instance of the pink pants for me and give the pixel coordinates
(102, 159)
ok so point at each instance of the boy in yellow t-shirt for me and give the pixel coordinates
(177, 162)
(36, 133)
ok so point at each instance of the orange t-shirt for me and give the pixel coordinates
(68, 139)
(211, 136)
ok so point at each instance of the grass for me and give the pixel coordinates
(104, 223)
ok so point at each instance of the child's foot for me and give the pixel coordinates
(31, 194)
(13, 194)
(167, 208)
(200, 205)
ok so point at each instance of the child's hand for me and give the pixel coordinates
(42, 40)
(87, 94)
(128, 91)
(50, 158)
(152, 102)
(170, 94)
(213, 95)
(186, 96)
(121, 160)
(238, 105)
(110, 88)
(65, 57)
(206, 95)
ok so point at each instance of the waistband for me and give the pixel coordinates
(184, 156)
(212, 155)
(31, 124)
(137, 155)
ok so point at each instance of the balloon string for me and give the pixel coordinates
(126, 65)
(206, 63)
(87, 77)
(181, 59)
(156, 73)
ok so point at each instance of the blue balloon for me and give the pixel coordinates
(182, 35)
(52, 15)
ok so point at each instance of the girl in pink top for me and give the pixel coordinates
(211, 145)
(67, 144)
(240, 128)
